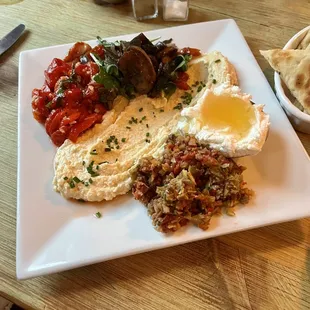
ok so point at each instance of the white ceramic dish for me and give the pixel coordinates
(54, 234)
(299, 119)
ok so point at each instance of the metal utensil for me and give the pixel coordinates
(11, 38)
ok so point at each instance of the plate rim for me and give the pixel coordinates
(21, 272)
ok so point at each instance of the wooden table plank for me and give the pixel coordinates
(266, 268)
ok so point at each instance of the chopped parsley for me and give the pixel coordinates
(83, 162)
(161, 110)
(147, 134)
(128, 127)
(65, 178)
(199, 88)
(93, 152)
(218, 60)
(98, 215)
(107, 149)
(91, 171)
(76, 180)
(123, 139)
(97, 167)
(90, 181)
(141, 109)
(81, 200)
(147, 141)
(214, 81)
(187, 98)
(134, 120)
(178, 106)
(71, 183)
(147, 126)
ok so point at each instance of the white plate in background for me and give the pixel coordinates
(54, 234)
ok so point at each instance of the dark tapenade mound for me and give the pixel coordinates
(190, 184)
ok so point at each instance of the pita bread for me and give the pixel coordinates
(294, 69)
(305, 42)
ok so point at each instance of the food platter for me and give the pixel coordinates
(54, 234)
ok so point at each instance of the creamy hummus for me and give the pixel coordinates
(99, 166)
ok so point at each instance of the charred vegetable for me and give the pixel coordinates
(137, 68)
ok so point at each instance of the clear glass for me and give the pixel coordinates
(144, 9)
(175, 10)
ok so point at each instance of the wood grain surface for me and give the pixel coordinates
(267, 268)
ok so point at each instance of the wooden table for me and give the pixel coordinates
(267, 268)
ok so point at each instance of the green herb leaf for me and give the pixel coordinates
(218, 60)
(91, 171)
(98, 215)
(123, 139)
(65, 178)
(76, 180)
(178, 106)
(169, 89)
(107, 80)
(71, 183)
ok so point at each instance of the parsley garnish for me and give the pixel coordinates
(123, 139)
(76, 180)
(90, 181)
(71, 183)
(218, 60)
(98, 215)
(214, 81)
(91, 171)
(178, 106)
(141, 109)
(147, 134)
(65, 178)
(93, 152)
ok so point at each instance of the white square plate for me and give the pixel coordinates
(54, 234)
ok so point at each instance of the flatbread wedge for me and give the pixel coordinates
(305, 42)
(294, 69)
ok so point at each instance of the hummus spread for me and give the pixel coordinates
(100, 165)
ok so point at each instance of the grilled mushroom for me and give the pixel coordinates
(137, 68)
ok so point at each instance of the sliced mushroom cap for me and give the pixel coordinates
(137, 68)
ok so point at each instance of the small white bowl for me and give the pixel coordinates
(299, 119)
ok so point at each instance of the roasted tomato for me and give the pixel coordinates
(190, 51)
(80, 127)
(181, 81)
(55, 70)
